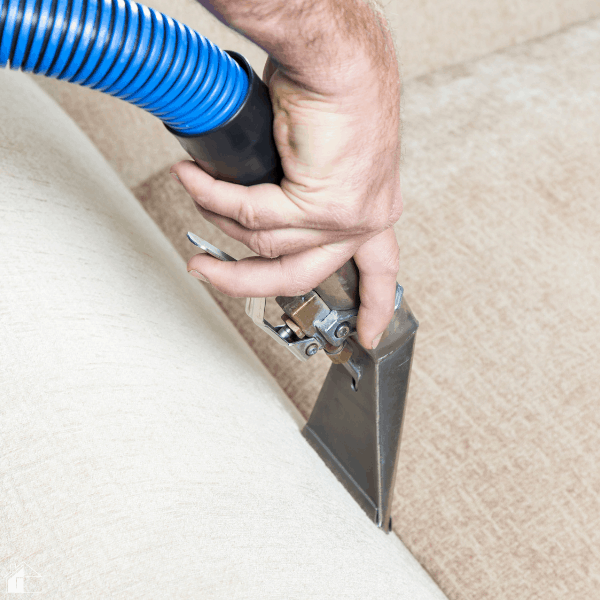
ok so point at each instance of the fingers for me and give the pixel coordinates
(290, 275)
(296, 274)
(275, 242)
(377, 262)
(262, 206)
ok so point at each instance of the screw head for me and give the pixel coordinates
(312, 349)
(342, 330)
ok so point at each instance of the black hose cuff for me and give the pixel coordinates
(241, 150)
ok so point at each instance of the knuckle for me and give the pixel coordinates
(343, 216)
(376, 221)
(247, 216)
(359, 213)
(397, 208)
(395, 215)
(263, 244)
(380, 221)
(391, 209)
(370, 217)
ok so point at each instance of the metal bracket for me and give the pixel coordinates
(302, 349)
(330, 325)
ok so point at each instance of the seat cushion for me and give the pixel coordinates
(500, 255)
(145, 452)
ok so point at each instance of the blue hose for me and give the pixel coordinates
(127, 50)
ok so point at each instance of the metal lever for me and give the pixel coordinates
(209, 248)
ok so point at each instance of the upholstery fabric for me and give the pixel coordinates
(144, 450)
(498, 490)
(433, 34)
(499, 483)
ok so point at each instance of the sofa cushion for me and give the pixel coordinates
(500, 252)
(144, 450)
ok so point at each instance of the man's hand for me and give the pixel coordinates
(337, 132)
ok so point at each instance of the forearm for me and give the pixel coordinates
(321, 44)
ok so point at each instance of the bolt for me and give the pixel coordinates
(293, 326)
(286, 333)
(342, 331)
(312, 349)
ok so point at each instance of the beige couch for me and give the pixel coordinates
(498, 487)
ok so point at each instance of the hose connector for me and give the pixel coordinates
(241, 150)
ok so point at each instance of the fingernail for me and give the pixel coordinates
(198, 275)
(174, 176)
(376, 341)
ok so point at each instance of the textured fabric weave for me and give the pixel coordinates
(500, 252)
